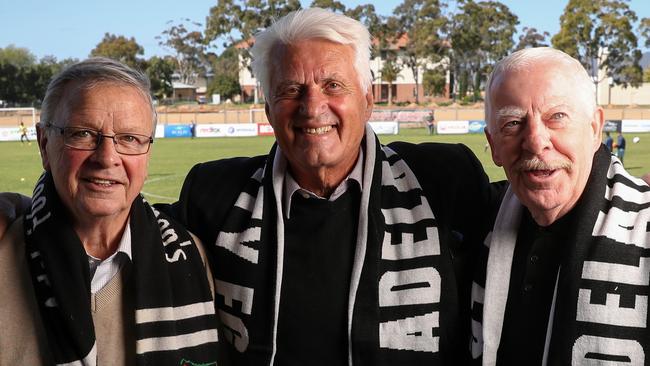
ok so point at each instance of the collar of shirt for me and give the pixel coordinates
(291, 186)
(102, 271)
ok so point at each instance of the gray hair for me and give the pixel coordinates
(89, 73)
(307, 24)
(529, 56)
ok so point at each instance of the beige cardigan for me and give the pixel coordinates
(22, 337)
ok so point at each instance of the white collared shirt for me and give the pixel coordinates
(291, 186)
(103, 271)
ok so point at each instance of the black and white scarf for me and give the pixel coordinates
(174, 310)
(599, 311)
(402, 278)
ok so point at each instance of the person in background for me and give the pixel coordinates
(620, 146)
(23, 133)
(92, 274)
(565, 274)
(609, 141)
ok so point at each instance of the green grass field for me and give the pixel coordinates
(172, 158)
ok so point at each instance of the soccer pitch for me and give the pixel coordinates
(171, 159)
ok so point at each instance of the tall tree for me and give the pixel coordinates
(481, 34)
(120, 48)
(644, 30)
(226, 74)
(160, 70)
(530, 38)
(233, 21)
(333, 5)
(390, 72)
(188, 49)
(599, 34)
(423, 23)
(17, 56)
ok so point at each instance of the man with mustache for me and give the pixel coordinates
(566, 275)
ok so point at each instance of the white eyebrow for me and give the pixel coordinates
(510, 112)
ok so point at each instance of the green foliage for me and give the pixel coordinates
(333, 5)
(599, 34)
(225, 85)
(233, 21)
(390, 72)
(120, 48)
(481, 34)
(531, 39)
(17, 56)
(160, 70)
(188, 49)
(434, 81)
(646, 75)
(423, 22)
(22, 80)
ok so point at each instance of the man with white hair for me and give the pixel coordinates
(567, 266)
(333, 249)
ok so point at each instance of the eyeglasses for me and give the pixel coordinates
(89, 139)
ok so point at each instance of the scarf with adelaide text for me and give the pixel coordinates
(174, 311)
(402, 278)
(599, 311)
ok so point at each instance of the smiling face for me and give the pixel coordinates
(100, 184)
(544, 135)
(318, 110)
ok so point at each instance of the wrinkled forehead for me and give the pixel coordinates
(315, 54)
(95, 103)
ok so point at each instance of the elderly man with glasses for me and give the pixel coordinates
(92, 274)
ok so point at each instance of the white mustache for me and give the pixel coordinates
(539, 164)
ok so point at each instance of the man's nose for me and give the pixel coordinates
(313, 102)
(106, 153)
(537, 136)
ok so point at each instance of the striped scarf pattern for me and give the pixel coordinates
(174, 310)
(397, 269)
(599, 312)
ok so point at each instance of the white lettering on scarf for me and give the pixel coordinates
(38, 203)
(234, 328)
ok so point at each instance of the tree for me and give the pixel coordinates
(120, 48)
(599, 34)
(333, 5)
(530, 38)
(644, 30)
(423, 23)
(646, 75)
(188, 48)
(481, 34)
(434, 81)
(160, 70)
(238, 20)
(17, 56)
(226, 74)
(390, 72)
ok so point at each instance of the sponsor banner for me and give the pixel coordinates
(385, 128)
(160, 131)
(612, 125)
(452, 127)
(226, 130)
(178, 131)
(476, 126)
(635, 125)
(382, 115)
(13, 133)
(264, 129)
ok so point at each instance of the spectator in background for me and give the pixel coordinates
(193, 129)
(609, 141)
(23, 133)
(620, 146)
(429, 120)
